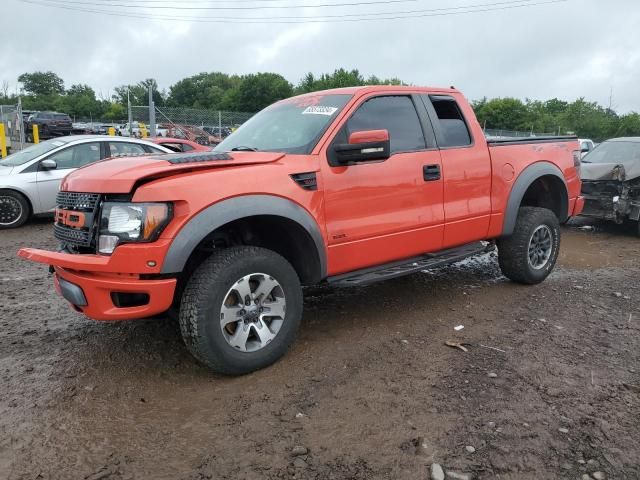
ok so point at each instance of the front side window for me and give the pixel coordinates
(397, 115)
(77, 155)
(454, 130)
(293, 125)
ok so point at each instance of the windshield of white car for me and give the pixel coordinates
(614, 152)
(293, 125)
(29, 153)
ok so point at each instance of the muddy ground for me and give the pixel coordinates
(369, 389)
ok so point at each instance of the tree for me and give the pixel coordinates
(256, 91)
(503, 113)
(41, 83)
(341, 78)
(80, 102)
(139, 93)
(204, 90)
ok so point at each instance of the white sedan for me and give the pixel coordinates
(30, 178)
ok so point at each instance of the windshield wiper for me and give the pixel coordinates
(242, 148)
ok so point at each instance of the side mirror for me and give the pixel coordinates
(48, 164)
(365, 146)
(585, 149)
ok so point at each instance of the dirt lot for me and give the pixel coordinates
(370, 389)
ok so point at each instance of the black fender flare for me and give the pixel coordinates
(221, 213)
(520, 186)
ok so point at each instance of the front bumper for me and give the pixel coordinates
(97, 293)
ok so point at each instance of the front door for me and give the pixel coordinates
(382, 211)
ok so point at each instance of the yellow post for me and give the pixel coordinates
(36, 135)
(3, 141)
(112, 131)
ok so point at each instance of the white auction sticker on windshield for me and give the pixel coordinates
(319, 110)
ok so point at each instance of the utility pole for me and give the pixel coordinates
(610, 99)
(152, 112)
(130, 114)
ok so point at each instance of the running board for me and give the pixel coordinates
(388, 271)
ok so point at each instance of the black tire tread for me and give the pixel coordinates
(193, 301)
(513, 250)
(26, 208)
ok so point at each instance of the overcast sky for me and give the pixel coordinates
(566, 49)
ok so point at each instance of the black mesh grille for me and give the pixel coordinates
(73, 236)
(79, 240)
(77, 201)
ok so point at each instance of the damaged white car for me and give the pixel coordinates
(611, 181)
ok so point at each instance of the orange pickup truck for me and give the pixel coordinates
(347, 186)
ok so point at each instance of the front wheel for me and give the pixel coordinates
(241, 309)
(529, 254)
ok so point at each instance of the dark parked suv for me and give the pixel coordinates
(50, 124)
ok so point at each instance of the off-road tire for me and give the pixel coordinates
(199, 315)
(25, 211)
(513, 250)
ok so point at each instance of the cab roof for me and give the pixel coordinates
(381, 88)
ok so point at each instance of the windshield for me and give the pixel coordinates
(614, 152)
(292, 126)
(29, 153)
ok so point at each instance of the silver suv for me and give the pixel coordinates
(30, 178)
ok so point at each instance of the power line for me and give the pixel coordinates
(313, 17)
(258, 7)
(297, 20)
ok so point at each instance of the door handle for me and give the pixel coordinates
(431, 173)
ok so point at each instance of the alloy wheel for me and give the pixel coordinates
(540, 247)
(252, 312)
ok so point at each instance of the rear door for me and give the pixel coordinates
(466, 169)
(68, 160)
(381, 211)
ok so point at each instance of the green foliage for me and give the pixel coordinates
(139, 93)
(204, 90)
(41, 83)
(582, 118)
(340, 78)
(256, 91)
(250, 93)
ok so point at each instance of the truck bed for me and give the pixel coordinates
(526, 140)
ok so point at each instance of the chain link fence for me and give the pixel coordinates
(190, 122)
(12, 119)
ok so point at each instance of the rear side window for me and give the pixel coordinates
(125, 148)
(453, 127)
(397, 115)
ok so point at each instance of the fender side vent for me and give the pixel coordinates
(306, 180)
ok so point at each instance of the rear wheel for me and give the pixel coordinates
(241, 309)
(530, 253)
(14, 209)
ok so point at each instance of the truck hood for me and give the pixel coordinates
(623, 171)
(120, 175)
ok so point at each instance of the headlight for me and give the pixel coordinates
(131, 222)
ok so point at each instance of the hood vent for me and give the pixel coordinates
(178, 158)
